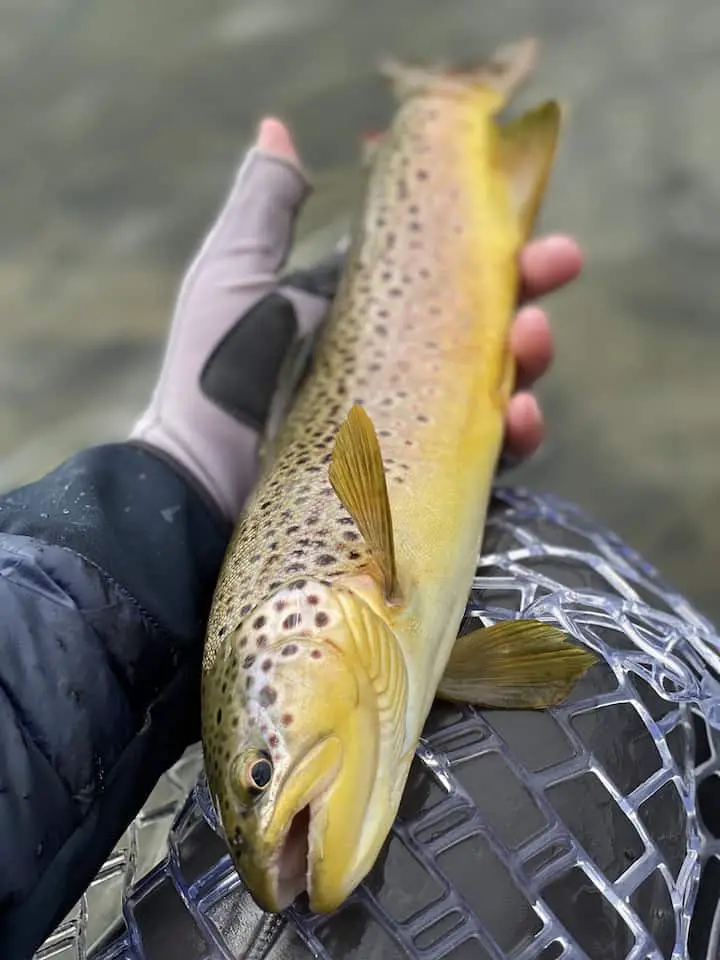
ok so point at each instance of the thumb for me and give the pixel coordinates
(251, 237)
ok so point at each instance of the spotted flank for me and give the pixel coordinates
(335, 618)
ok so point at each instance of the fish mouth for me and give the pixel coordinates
(299, 846)
(292, 871)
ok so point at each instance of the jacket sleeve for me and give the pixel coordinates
(107, 567)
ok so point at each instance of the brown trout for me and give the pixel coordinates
(335, 618)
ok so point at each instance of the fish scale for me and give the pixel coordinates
(334, 622)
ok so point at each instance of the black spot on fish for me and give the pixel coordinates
(267, 697)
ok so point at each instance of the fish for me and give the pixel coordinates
(335, 618)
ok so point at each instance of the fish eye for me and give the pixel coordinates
(258, 773)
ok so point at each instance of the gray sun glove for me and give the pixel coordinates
(240, 336)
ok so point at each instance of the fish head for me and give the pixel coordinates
(291, 750)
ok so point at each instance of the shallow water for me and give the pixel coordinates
(121, 125)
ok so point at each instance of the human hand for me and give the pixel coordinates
(241, 333)
(545, 265)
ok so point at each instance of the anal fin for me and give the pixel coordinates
(515, 665)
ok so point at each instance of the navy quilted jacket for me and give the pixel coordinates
(107, 567)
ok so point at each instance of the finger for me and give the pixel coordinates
(532, 345)
(547, 264)
(524, 428)
(274, 137)
(250, 240)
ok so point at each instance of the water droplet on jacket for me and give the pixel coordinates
(66, 512)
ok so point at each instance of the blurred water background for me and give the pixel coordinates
(121, 125)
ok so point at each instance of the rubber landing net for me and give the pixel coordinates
(606, 821)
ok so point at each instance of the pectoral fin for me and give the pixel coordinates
(357, 476)
(527, 151)
(516, 665)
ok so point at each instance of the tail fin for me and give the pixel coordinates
(503, 73)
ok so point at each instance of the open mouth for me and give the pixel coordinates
(310, 782)
(292, 875)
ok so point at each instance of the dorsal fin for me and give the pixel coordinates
(357, 476)
(527, 151)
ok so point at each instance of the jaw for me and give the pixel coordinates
(304, 866)
(333, 842)
(322, 837)
(293, 835)
(309, 861)
(354, 842)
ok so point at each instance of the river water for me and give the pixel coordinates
(121, 123)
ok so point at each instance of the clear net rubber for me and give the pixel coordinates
(587, 831)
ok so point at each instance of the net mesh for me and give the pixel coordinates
(594, 839)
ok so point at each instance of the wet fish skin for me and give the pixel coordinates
(338, 605)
